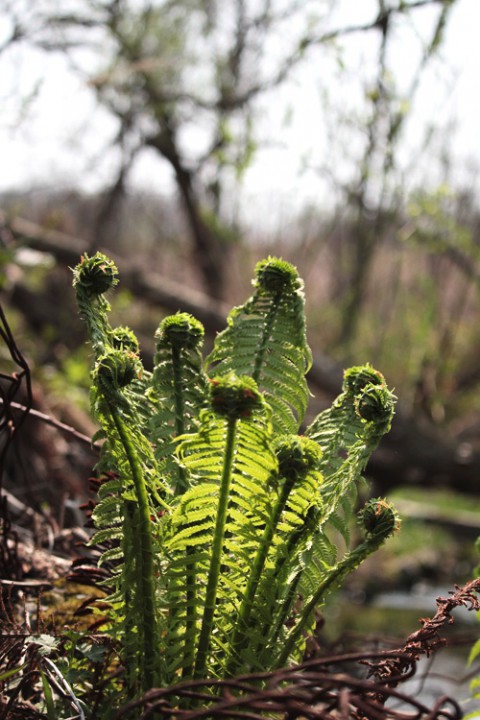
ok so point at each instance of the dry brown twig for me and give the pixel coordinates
(12, 385)
(427, 640)
(321, 689)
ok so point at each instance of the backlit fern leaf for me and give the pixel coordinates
(195, 522)
(178, 390)
(284, 565)
(265, 339)
(218, 520)
(348, 433)
(117, 521)
(347, 436)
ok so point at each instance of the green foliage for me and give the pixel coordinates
(265, 339)
(178, 390)
(436, 227)
(218, 518)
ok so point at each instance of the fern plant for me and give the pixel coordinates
(222, 521)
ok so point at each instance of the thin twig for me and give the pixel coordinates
(48, 420)
(38, 584)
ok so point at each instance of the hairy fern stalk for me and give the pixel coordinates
(225, 528)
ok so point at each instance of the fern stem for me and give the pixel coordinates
(191, 618)
(145, 579)
(179, 401)
(131, 550)
(267, 331)
(94, 312)
(218, 540)
(190, 584)
(285, 609)
(246, 608)
(350, 562)
(269, 630)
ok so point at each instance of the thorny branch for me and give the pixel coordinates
(427, 640)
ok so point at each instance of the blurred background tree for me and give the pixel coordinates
(190, 79)
(203, 90)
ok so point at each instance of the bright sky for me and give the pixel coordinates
(64, 138)
(450, 96)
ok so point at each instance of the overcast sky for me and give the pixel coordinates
(62, 139)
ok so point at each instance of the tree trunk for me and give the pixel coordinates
(210, 253)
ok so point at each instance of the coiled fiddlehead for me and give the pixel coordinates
(356, 378)
(266, 340)
(241, 555)
(375, 404)
(95, 275)
(117, 367)
(379, 520)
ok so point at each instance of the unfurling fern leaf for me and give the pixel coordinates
(296, 494)
(220, 521)
(222, 516)
(380, 521)
(126, 523)
(92, 278)
(348, 432)
(178, 390)
(265, 339)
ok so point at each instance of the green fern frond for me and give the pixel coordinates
(347, 433)
(265, 339)
(178, 390)
(296, 493)
(223, 514)
(219, 523)
(135, 465)
(380, 521)
(118, 404)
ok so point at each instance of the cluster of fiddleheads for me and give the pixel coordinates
(221, 518)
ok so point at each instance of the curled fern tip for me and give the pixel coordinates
(180, 331)
(95, 275)
(235, 397)
(379, 518)
(375, 404)
(296, 455)
(125, 339)
(275, 275)
(355, 379)
(117, 369)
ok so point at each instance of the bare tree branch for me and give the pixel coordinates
(53, 422)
